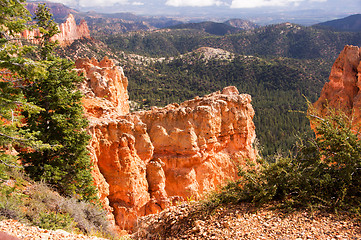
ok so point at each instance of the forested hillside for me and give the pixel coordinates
(282, 40)
(351, 23)
(277, 86)
(209, 27)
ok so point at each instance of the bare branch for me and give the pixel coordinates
(319, 118)
(14, 138)
(9, 165)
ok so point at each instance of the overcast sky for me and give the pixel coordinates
(168, 7)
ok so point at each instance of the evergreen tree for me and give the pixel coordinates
(67, 165)
(48, 28)
(14, 68)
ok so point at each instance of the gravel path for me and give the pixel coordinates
(245, 222)
(21, 231)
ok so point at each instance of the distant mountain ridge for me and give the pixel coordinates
(123, 22)
(348, 24)
(241, 23)
(60, 11)
(209, 27)
(286, 40)
(109, 23)
(220, 29)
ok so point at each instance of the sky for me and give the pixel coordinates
(230, 8)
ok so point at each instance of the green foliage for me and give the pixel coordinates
(13, 18)
(14, 68)
(12, 22)
(48, 28)
(156, 43)
(325, 172)
(54, 116)
(10, 202)
(60, 123)
(333, 161)
(54, 221)
(39, 205)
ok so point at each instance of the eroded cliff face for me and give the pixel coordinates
(105, 88)
(149, 160)
(343, 90)
(69, 32)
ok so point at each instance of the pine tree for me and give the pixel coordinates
(14, 68)
(61, 123)
(47, 28)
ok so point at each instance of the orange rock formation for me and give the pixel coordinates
(343, 90)
(149, 160)
(69, 32)
(105, 88)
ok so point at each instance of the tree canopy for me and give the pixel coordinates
(40, 106)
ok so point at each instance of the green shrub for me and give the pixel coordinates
(54, 220)
(325, 172)
(12, 180)
(89, 217)
(70, 212)
(9, 203)
(331, 163)
(39, 205)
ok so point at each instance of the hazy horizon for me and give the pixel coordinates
(259, 11)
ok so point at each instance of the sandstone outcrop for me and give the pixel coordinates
(105, 89)
(149, 160)
(69, 32)
(343, 90)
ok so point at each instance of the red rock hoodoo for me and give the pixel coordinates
(69, 32)
(149, 160)
(105, 89)
(343, 90)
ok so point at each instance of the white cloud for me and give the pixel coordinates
(267, 3)
(193, 3)
(137, 3)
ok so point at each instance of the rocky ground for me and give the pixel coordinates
(190, 221)
(13, 230)
(246, 222)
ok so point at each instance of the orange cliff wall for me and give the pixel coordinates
(149, 160)
(343, 90)
(69, 32)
